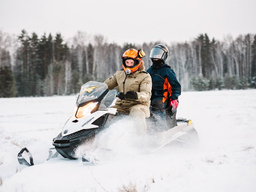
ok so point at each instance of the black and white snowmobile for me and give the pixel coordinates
(90, 115)
(92, 111)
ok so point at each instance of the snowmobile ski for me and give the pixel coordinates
(22, 160)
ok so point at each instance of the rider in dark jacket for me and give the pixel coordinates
(165, 87)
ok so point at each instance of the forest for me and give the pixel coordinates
(32, 65)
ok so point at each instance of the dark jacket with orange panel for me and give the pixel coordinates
(164, 83)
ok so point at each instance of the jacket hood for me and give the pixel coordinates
(142, 67)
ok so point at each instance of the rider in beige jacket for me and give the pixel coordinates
(134, 87)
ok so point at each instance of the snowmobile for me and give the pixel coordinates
(92, 111)
(90, 116)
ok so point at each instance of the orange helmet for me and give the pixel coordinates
(136, 56)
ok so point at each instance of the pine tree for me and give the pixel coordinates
(60, 49)
(128, 46)
(254, 57)
(57, 53)
(24, 73)
(33, 65)
(7, 82)
(90, 56)
(50, 50)
(206, 57)
(75, 77)
(42, 58)
(253, 79)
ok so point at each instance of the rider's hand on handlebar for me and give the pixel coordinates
(131, 95)
(121, 95)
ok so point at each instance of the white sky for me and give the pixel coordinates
(132, 21)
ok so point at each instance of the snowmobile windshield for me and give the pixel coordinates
(110, 98)
(90, 91)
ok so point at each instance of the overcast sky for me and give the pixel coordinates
(132, 21)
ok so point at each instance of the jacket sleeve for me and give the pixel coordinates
(111, 82)
(144, 93)
(176, 87)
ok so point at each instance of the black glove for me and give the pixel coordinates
(121, 95)
(131, 95)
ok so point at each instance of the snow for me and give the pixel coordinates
(225, 159)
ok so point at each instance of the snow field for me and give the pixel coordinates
(224, 161)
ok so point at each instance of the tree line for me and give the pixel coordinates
(50, 65)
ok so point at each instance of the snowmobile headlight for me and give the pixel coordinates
(85, 110)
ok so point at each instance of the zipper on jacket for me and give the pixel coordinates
(124, 83)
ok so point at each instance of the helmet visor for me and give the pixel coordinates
(157, 53)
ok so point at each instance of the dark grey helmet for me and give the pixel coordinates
(159, 51)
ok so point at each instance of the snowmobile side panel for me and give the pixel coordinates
(67, 144)
(74, 124)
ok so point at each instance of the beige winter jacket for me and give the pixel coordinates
(140, 82)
